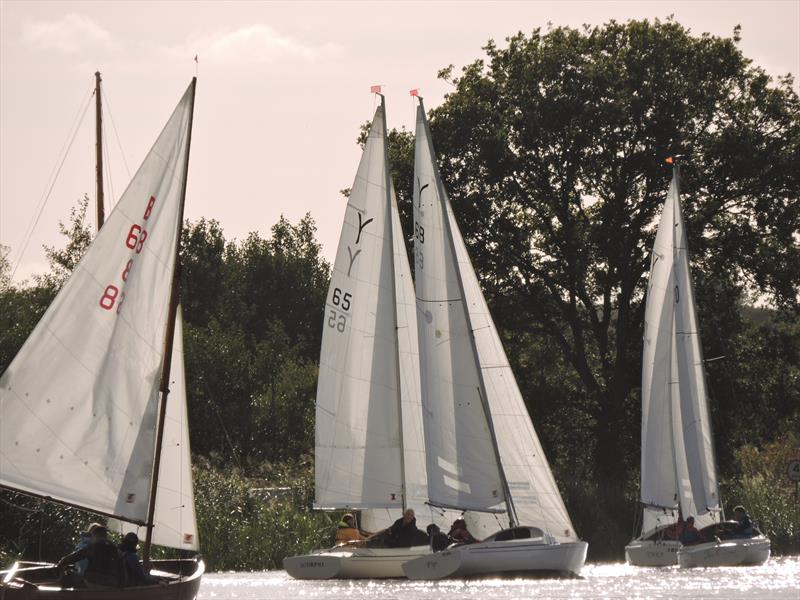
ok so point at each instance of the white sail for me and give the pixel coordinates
(79, 401)
(358, 446)
(531, 484)
(415, 477)
(175, 522)
(659, 485)
(677, 459)
(695, 417)
(533, 490)
(461, 459)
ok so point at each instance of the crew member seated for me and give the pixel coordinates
(459, 534)
(690, 535)
(104, 566)
(134, 572)
(402, 534)
(744, 526)
(437, 540)
(347, 530)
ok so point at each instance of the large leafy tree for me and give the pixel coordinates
(553, 148)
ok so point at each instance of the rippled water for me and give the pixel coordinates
(777, 580)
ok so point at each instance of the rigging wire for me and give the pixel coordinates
(116, 133)
(107, 169)
(77, 122)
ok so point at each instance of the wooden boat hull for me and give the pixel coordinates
(353, 563)
(727, 553)
(512, 557)
(39, 581)
(650, 553)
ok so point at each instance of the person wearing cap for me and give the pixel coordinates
(134, 572)
(744, 525)
(104, 567)
(347, 530)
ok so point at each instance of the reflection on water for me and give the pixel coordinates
(777, 580)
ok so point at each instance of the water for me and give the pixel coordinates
(778, 579)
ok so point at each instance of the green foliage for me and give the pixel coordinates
(79, 236)
(244, 527)
(763, 487)
(254, 325)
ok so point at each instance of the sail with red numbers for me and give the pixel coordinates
(80, 401)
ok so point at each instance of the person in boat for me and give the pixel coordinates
(459, 534)
(674, 531)
(402, 534)
(104, 567)
(437, 540)
(690, 535)
(134, 572)
(347, 530)
(744, 525)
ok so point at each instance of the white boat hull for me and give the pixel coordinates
(499, 558)
(649, 553)
(727, 553)
(353, 563)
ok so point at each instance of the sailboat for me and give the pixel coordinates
(678, 472)
(86, 420)
(368, 373)
(483, 454)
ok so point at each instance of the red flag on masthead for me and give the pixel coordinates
(375, 89)
(414, 92)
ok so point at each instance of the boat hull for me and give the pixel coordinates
(727, 553)
(517, 557)
(353, 563)
(38, 581)
(649, 553)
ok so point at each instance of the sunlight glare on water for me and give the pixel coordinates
(779, 579)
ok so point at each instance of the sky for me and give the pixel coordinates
(282, 90)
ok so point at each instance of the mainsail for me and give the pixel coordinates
(80, 399)
(358, 446)
(469, 392)
(677, 457)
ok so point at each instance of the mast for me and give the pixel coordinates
(98, 119)
(512, 515)
(168, 342)
(390, 222)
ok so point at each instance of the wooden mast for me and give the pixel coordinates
(98, 119)
(174, 299)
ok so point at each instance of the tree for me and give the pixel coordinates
(79, 236)
(552, 150)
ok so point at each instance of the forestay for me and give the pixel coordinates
(358, 445)
(79, 401)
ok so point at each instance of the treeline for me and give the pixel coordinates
(552, 149)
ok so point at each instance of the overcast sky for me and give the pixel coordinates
(282, 90)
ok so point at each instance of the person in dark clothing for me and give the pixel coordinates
(436, 538)
(402, 534)
(134, 572)
(459, 534)
(744, 525)
(690, 535)
(104, 566)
